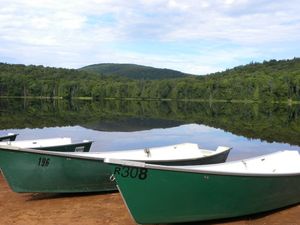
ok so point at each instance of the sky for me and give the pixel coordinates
(192, 36)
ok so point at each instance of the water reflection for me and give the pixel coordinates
(251, 129)
(131, 124)
(206, 137)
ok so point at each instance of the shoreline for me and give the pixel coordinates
(102, 208)
(83, 98)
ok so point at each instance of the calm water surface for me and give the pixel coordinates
(251, 131)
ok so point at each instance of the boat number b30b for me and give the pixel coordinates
(131, 172)
(44, 162)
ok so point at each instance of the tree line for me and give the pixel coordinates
(269, 122)
(270, 81)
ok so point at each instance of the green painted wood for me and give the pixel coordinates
(33, 171)
(30, 172)
(9, 137)
(174, 196)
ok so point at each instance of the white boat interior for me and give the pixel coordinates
(184, 151)
(172, 152)
(281, 162)
(38, 142)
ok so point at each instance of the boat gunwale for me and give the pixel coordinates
(76, 143)
(33, 148)
(42, 152)
(202, 171)
(214, 153)
(9, 136)
(78, 155)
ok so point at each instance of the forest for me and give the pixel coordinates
(269, 81)
(133, 71)
(269, 122)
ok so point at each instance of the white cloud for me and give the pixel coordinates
(74, 33)
(234, 23)
(178, 5)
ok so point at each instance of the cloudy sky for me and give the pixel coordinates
(193, 36)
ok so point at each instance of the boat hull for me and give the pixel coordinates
(212, 159)
(165, 196)
(9, 137)
(78, 147)
(33, 171)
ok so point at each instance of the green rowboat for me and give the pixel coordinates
(28, 170)
(52, 144)
(160, 194)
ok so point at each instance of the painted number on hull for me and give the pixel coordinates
(131, 172)
(44, 162)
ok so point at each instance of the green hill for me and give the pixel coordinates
(274, 80)
(133, 71)
(270, 81)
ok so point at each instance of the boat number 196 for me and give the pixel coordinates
(44, 162)
(131, 172)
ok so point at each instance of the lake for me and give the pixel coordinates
(250, 129)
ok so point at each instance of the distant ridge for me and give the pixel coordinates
(270, 82)
(133, 71)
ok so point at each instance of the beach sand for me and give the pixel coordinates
(106, 209)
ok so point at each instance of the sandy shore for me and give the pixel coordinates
(106, 209)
